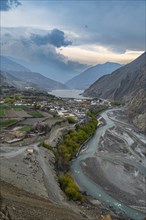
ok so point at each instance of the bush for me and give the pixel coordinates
(47, 146)
(71, 120)
(107, 217)
(117, 103)
(70, 188)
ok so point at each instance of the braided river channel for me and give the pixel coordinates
(135, 158)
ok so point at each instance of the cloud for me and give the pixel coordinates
(25, 48)
(55, 37)
(117, 25)
(99, 55)
(6, 5)
(44, 58)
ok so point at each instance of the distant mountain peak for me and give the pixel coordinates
(90, 75)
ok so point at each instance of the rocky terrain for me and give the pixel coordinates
(137, 110)
(18, 204)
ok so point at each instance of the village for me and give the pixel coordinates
(23, 114)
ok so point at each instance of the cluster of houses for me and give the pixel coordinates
(75, 107)
(63, 107)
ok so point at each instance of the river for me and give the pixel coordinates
(96, 191)
(76, 94)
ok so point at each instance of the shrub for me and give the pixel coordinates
(70, 188)
(47, 146)
(117, 103)
(71, 120)
(107, 217)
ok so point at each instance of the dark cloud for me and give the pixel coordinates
(6, 5)
(55, 37)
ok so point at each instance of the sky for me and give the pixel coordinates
(73, 31)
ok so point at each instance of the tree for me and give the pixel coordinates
(71, 120)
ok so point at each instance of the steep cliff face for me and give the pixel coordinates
(123, 83)
(137, 110)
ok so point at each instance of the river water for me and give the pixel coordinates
(76, 94)
(86, 184)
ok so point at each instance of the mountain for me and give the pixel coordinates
(15, 74)
(123, 83)
(89, 76)
(8, 79)
(9, 65)
(137, 110)
(59, 72)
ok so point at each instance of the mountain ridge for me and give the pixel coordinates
(90, 75)
(123, 83)
(15, 74)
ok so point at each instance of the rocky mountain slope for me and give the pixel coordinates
(137, 110)
(18, 204)
(17, 75)
(123, 83)
(7, 79)
(89, 76)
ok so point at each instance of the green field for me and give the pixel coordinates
(36, 114)
(2, 113)
(7, 123)
(19, 108)
(2, 110)
(25, 128)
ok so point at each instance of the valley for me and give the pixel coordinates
(28, 165)
(72, 110)
(31, 133)
(113, 167)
